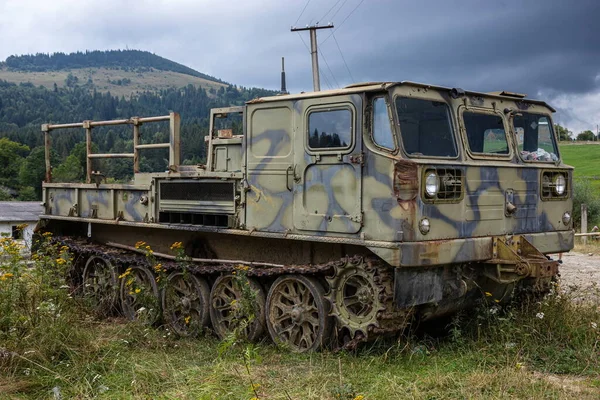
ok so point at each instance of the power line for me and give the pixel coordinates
(330, 71)
(304, 9)
(345, 19)
(327, 13)
(339, 9)
(342, 54)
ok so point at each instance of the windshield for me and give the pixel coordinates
(425, 127)
(485, 133)
(534, 136)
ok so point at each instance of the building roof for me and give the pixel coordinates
(20, 211)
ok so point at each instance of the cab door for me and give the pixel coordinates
(327, 167)
(269, 162)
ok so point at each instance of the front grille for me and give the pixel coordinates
(197, 191)
(220, 221)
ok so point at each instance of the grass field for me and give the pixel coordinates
(126, 361)
(586, 160)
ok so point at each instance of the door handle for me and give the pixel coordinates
(289, 169)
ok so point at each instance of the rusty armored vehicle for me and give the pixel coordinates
(350, 211)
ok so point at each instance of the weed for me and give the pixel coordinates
(40, 321)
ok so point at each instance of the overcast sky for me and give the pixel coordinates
(549, 49)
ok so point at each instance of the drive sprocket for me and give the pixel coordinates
(360, 292)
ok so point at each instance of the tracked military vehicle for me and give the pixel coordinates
(350, 211)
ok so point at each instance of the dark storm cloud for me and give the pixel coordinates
(542, 48)
(522, 46)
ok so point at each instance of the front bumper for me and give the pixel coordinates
(452, 251)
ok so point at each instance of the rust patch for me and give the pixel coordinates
(406, 180)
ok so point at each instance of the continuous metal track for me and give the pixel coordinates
(349, 272)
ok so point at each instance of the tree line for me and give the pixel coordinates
(566, 135)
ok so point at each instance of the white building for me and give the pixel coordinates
(18, 219)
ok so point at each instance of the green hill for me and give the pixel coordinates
(139, 60)
(120, 72)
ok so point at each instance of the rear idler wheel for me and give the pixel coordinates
(99, 286)
(237, 306)
(298, 314)
(185, 303)
(139, 295)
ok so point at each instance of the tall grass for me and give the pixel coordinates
(40, 321)
(50, 347)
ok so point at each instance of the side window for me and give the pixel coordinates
(485, 133)
(382, 130)
(330, 129)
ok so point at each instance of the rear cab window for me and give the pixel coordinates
(535, 137)
(425, 128)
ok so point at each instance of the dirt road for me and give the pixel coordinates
(581, 270)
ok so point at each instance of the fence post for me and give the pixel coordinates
(584, 223)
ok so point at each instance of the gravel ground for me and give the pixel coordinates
(581, 270)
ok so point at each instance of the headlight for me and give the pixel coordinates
(560, 184)
(432, 184)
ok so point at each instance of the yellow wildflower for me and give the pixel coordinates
(176, 246)
(158, 267)
(124, 274)
(359, 397)
(137, 290)
(140, 244)
(6, 276)
(254, 386)
(488, 294)
(187, 320)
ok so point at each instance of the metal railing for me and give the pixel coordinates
(173, 145)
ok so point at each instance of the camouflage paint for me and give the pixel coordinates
(360, 194)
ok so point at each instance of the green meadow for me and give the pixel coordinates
(586, 160)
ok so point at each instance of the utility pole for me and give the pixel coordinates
(314, 51)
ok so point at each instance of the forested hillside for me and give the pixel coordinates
(141, 61)
(24, 107)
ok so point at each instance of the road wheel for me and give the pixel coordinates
(237, 305)
(185, 303)
(298, 314)
(100, 285)
(139, 295)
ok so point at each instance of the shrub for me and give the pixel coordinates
(585, 193)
